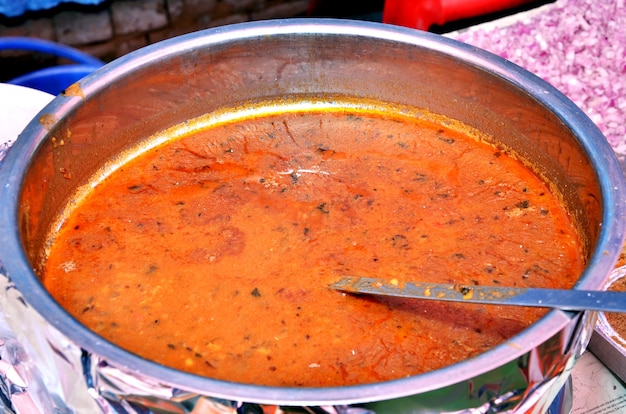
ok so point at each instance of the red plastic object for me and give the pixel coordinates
(422, 14)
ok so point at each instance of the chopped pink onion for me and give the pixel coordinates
(579, 46)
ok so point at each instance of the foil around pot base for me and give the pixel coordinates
(41, 371)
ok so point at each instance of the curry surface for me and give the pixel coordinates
(212, 254)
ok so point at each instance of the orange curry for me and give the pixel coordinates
(212, 252)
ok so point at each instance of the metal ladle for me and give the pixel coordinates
(565, 299)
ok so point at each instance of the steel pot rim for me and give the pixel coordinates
(17, 162)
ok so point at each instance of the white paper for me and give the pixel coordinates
(596, 389)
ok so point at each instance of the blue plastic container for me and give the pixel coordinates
(53, 79)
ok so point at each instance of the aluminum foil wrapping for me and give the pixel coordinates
(41, 371)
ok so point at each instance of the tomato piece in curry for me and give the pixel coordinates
(213, 252)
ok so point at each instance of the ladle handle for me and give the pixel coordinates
(571, 300)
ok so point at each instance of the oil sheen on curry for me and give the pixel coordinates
(212, 250)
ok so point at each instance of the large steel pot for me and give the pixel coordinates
(182, 78)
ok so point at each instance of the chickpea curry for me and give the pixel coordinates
(212, 252)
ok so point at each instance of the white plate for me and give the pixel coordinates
(18, 105)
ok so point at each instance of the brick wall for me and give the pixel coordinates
(120, 26)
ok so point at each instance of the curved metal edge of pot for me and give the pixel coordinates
(611, 239)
